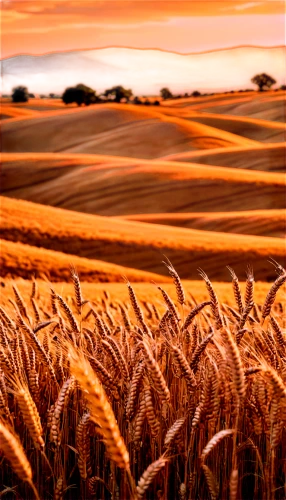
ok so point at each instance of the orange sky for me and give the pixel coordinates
(37, 26)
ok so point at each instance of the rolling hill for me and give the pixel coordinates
(110, 186)
(136, 244)
(118, 129)
(204, 188)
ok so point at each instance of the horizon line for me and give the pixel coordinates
(209, 51)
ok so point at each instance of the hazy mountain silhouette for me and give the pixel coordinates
(145, 71)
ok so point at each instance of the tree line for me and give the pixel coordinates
(82, 94)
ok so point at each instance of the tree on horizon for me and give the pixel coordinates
(166, 93)
(263, 80)
(119, 93)
(80, 94)
(20, 94)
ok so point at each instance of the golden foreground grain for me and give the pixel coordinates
(173, 397)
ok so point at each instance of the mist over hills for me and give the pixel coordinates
(144, 71)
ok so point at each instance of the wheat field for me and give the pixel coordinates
(115, 399)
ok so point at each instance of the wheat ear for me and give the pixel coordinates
(211, 482)
(214, 300)
(148, 476)
(77, 289)
(234, 359)
(236, 290)
(14, 453)
(173, 431)
(233, 485)
(194, 312)
(155, 372)
(270, 298)
(30, 415)
(217, 438)
(177, 282)
(100, 409)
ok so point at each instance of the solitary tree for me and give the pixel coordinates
(118, 93)
(20, 94)
(80, 94)
(196, 93)
(263, 80)
(166, 93)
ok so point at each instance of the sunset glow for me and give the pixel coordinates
(37, 27)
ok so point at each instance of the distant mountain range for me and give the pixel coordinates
(144, 71)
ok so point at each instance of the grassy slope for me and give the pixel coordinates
(116, 186)
(138, 245)
(256, 222)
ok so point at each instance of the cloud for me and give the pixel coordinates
(249, 5)
(242, 6)
(55, 25)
